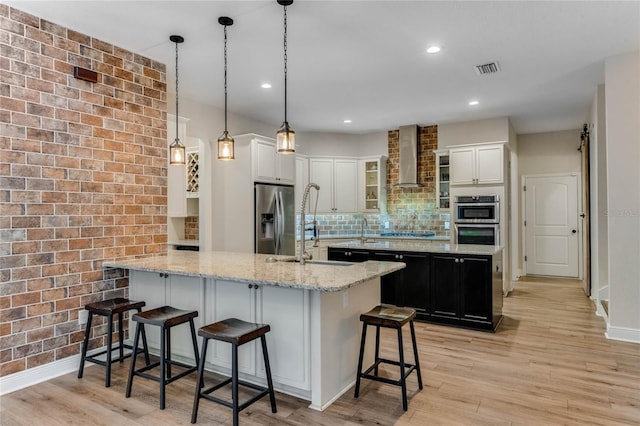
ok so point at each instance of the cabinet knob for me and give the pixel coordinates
(250, 285)
(457, 260)
(400, 257)
(461, 260)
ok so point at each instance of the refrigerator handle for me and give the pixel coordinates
(277, 224)
(281, 225)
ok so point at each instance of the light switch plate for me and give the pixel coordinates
(83, 315)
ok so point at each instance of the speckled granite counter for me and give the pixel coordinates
(421, 246)
(253, 269)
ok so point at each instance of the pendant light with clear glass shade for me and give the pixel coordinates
(286, 136)
(176, 149)
(225, 142)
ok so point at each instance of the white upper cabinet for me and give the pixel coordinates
(338, 181)
(345, 185)
(176, 175)
(478, 164)
(269, 166)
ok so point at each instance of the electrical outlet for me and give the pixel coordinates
(345, 299)
(83, 315)
(386, 225)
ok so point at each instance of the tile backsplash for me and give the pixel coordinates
(349, 224)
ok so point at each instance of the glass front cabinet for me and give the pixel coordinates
(443, 194)
(373, 185)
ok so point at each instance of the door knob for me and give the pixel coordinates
(573, 231)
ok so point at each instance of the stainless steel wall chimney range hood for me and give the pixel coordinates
(408, 162)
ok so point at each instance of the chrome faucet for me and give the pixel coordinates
(303, 255)
(362, 225)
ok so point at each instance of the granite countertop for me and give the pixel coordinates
(254, 269)
(420, 246)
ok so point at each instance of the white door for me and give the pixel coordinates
(551, 225)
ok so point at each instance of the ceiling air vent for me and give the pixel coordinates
(490, 68)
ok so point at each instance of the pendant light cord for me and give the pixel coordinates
(176, 90)
(225, 79)
(285, 63)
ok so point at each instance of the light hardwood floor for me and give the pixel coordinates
(548, 364)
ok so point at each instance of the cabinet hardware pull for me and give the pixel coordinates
(250, 285)
(461, 260)
(457, 260)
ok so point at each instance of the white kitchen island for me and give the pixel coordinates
(313, 310)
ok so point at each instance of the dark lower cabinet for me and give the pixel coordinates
(348, 255)
(462, 290)
(409, 286)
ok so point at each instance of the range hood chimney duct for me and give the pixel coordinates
(408, 162)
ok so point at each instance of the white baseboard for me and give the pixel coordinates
(33, 376)
(622, 333)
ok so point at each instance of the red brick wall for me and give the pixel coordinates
(403, 202)
(83, 180)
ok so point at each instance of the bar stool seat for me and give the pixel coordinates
(164, 317)
(109, 308)
(236, 332)
(389, 317)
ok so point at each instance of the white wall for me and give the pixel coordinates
(602, 226)
(551, 152)
(478, 131)
(622, 103)
(341, 144)
(598, 199)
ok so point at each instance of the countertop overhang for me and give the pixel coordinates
(421, 246)
(254, 269)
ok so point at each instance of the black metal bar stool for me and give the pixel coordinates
(236, 332)
(389, 317)
(165, 317)
(109, 308)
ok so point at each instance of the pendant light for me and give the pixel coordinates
(176, 149)
(225, 142)
(286, 136)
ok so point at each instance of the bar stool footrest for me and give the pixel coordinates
(409, 368)
(141, 371)
(206, 394)
(93, 358)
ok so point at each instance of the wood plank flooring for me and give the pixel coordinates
(548, 364)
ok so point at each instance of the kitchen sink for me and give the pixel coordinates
(310, 262)
(408, 234)
(328, 262)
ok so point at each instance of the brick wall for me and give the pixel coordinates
(191, 228)
(83, 180)
(402, 203)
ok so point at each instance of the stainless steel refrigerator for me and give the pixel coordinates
(275, 215)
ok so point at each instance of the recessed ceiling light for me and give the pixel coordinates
(472, 103)
(433, 49)
(265, 86)
(347, 121)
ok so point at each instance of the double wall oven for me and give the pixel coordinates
(477, 219)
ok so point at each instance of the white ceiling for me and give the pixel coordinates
(366, 60)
